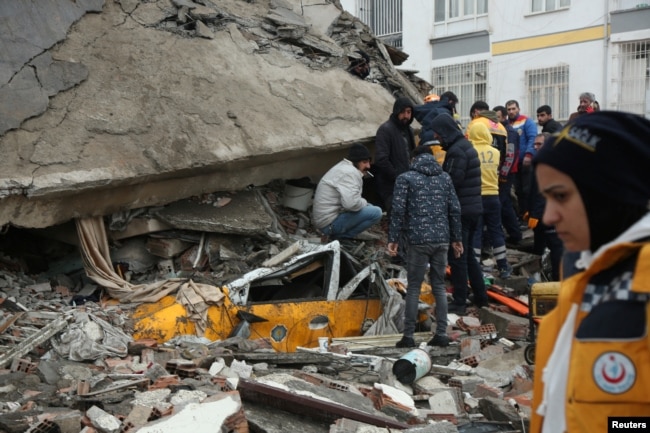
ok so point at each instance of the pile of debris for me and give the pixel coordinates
(76, 359)
(82, 373)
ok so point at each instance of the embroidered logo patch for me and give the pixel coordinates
(614, 372)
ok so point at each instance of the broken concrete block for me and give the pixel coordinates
(24, 365)
(165, 382)
(76, 372)
(154, 398)
(490, 351)
(466, 383)
(103, 421)
(469, 346)
(397, 396)
(521, 384)
(261, 366)
(138, 417)
(184, 397)
(217, 366)
(471, 403)
(444, 402)
(428, 385)
(166, 248)
(485, 390)
(68, 422)
(496, 409)
(207, 417)
(156, 371)
(241, 369)
(508, 325)
(454, 368)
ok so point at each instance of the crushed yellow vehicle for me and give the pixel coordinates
(318, 293)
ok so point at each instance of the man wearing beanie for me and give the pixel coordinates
(339, 211)
(593, 349)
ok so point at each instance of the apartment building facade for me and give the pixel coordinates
(534, 51)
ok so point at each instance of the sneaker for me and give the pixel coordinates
(504, 273)
(456, 309)
(405, 342)
(439, 340)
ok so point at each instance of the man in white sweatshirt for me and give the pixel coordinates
(339, 211)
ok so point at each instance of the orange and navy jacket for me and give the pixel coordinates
(609, 364)
(527, 131)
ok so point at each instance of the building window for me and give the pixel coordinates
(454, 9)
(629, 4)
(468, 81)
(549, 86)
(549, 5)
(634, 83)
(384, 17)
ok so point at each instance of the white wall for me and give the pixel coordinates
(417, 26)
(513, 20)
(507, 72)
(350, 6)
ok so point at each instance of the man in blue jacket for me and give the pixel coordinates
(527, 130)
(426, 207)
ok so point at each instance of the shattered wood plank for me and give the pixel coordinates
(10, 321)
(34, 340)
(305, 405)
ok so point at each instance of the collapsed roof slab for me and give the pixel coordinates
(162, 116)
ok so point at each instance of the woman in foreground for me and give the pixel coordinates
(593, 349)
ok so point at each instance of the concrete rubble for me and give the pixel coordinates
(115, 105)
(79, 369)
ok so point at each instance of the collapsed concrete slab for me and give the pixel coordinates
(154, 112)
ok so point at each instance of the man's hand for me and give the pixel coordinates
(392, 249)
(458, 249)
(528, 159)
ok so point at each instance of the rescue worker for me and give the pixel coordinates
(593, 349)
(425, 113)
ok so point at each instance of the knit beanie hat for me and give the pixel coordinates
(606, 151)
(358, 152)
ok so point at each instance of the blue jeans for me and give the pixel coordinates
(467, 267)
(492, 219)
(418, 257)
(349, 224)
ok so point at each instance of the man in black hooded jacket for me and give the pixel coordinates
(393, 145)
(464, 168)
